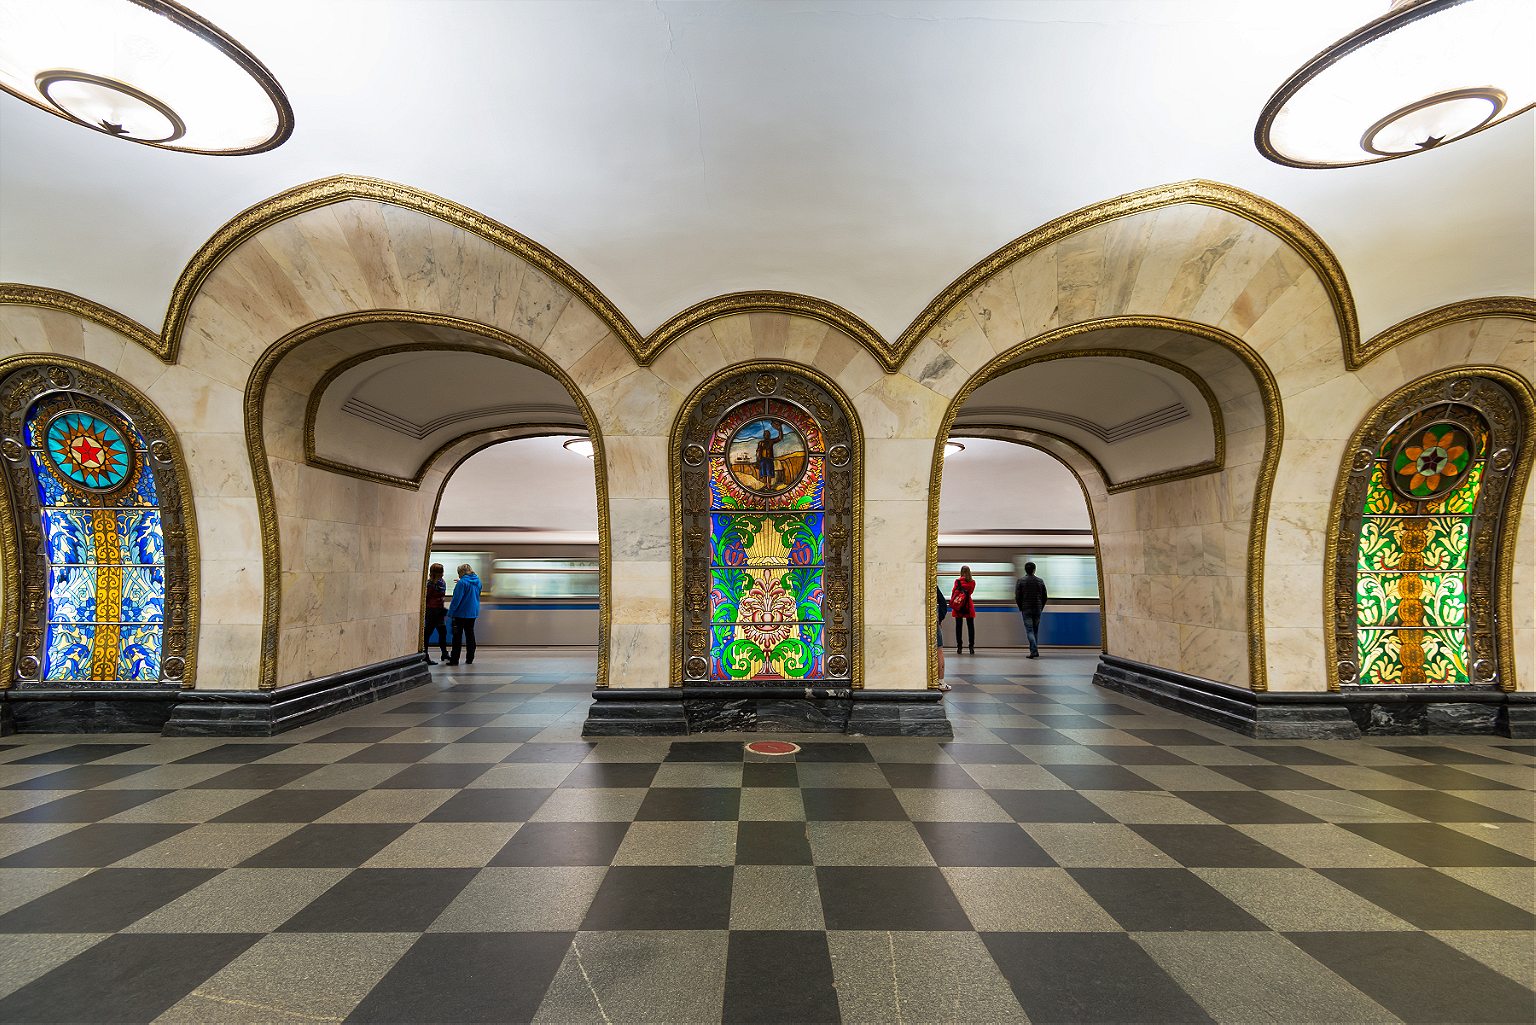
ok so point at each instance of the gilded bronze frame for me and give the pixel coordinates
(844, 528)
(1508, 402)
(23, 379)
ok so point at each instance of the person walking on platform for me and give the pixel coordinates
(464, 610)
(1029, 595)
(963, 608)
(437, 615)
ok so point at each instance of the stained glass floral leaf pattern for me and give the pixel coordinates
(1445, 547)
(1414, 657)
(1432, 599)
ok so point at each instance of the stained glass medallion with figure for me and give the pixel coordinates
(767, 594)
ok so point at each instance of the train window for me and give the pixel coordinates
(544, 578)
(1068, 577)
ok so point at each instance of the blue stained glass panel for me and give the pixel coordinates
(140, 658)
(143, 595)
(86, 599)
(67, 536)
(143, 540)
(67, 651)
(72, 594)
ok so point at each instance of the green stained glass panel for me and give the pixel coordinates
(1442, 595)
(1463, 500)
(1381, 655)
(1380, 499)
(1445, 544)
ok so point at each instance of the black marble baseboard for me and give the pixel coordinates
(679, 711)
(270, 712)
(1341, 715)
(66, 710)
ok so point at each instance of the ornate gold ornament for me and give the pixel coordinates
(22, 379)
(891, 355)
(255, 395)
(843, 575)
(1274, 431)
(1512, 306)
(1254, 209)
(1508, 402)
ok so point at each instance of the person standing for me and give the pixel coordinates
(464, 610)
(941, 609)
(1029, 595)
(963, 608)
(437, 615)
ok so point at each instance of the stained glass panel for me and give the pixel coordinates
(766, 478)
(1411, 599)
(1414, 549)
(1444, 547)
(1413, 657)
(103, 542)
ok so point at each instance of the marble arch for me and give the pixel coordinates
(1173, 532)
(300, 614)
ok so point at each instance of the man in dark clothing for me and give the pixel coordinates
(1029, 595)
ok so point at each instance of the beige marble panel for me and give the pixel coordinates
(641, 592)
(639, 655)
(636, 465)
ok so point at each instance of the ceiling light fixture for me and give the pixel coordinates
(1426, 73)
(149, 71)
(581, 446)
(952, 447)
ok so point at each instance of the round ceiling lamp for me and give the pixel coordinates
(581, 446)
(952, 448)
(148, 71)
(1426, 73)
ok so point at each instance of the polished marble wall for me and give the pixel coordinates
(1176, 554)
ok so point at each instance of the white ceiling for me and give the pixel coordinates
(535, 485)
(866, 153)
(998, 485)
(1106, 392)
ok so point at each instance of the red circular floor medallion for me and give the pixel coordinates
(772, 747)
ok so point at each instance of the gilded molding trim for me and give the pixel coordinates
(1218, 424)
(337, 189)
(413, 482)
(12, 294)
(191, 568)
(793, 303)
(1274, 431)
(856, 517)
(1093, 519)
(891, 355)
(1273, 218)
(1377, 423)
(1513, 306)
(266, 499)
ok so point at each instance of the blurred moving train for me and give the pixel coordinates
(546, 594)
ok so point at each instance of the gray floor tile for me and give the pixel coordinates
(867, 843)
(1027, 900)
(678, 843)
(599, 982)
(776, 897)
(919, 977)
(524, 899)
(250, 900)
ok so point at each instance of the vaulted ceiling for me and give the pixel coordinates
(866, 153)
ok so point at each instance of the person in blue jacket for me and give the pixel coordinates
(464, 610)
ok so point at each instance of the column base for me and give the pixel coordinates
(1339, 715)
(679, 711)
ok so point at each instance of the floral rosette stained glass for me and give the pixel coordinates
(103, 542)
(766, 488)
(1415, 537)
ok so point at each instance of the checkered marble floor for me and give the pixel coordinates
(458, 853)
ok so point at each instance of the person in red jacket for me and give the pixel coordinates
(963, 608)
